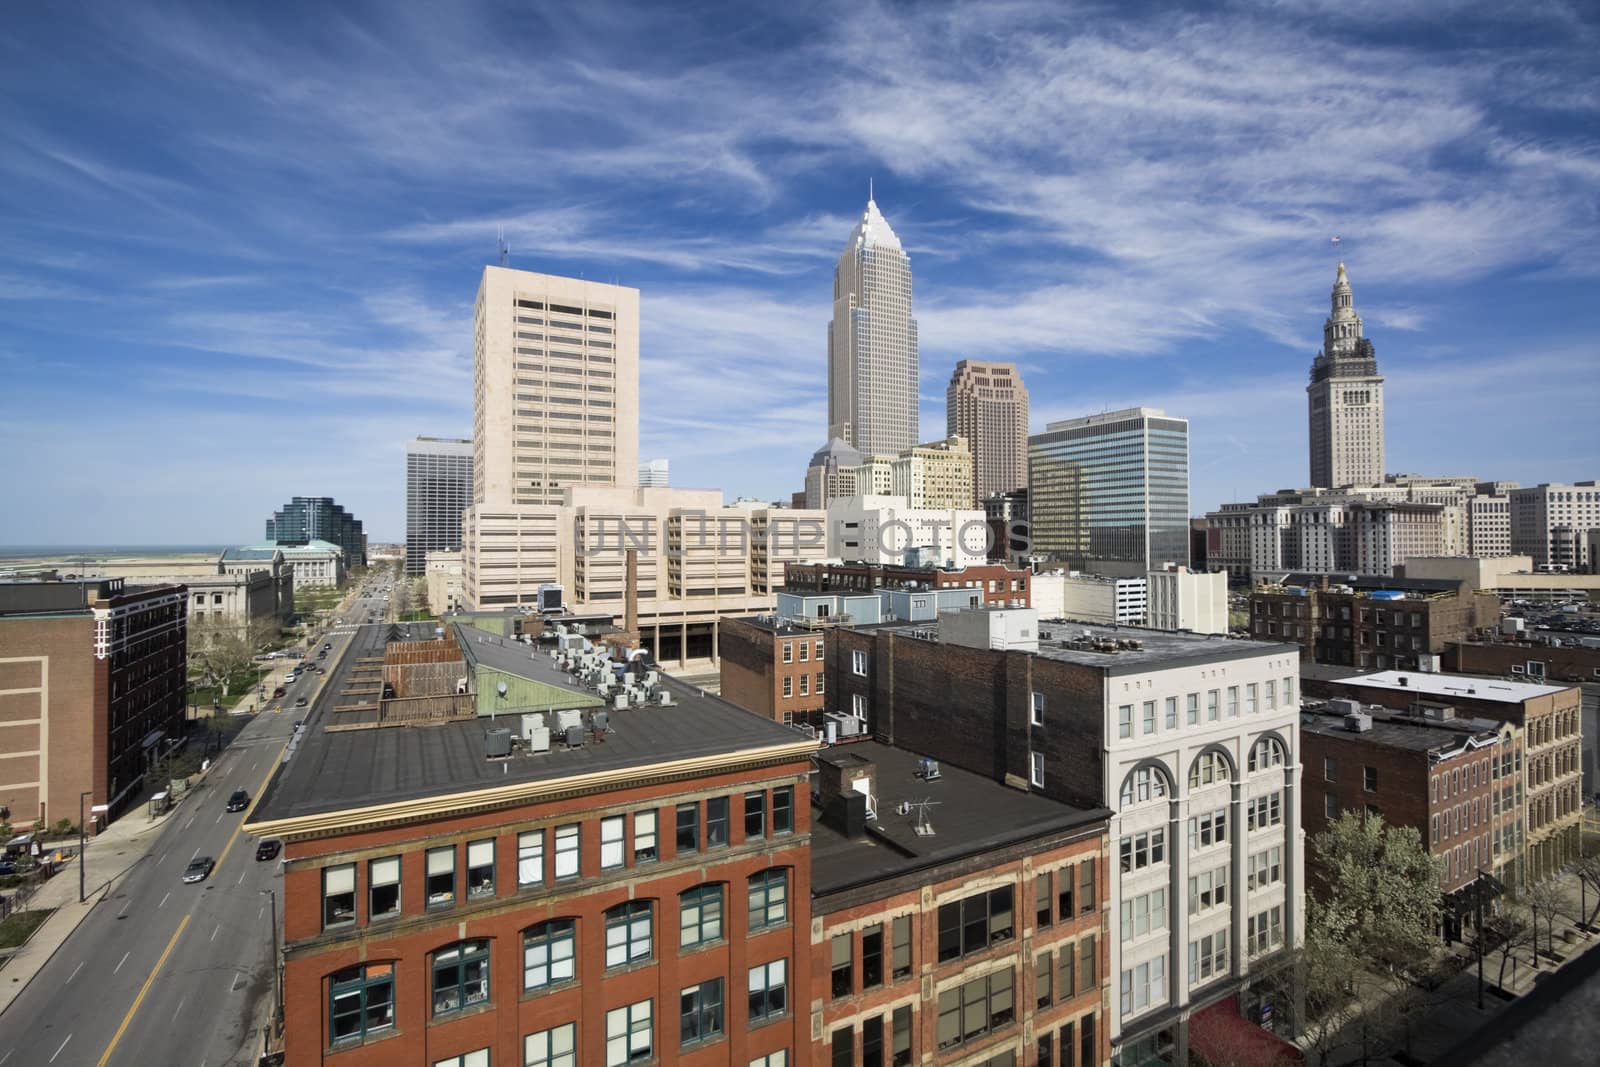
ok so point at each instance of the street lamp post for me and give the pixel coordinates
(277, 972)
(83, 844)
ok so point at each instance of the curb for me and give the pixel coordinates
(78, 922)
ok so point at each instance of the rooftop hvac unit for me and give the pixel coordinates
(1358, 722)
(566, 720)
(1344, 705)
(574, 736)
(928, 770)
(622, 700)
(600, 721)
(666, 698)
(532, 720)
(497, 743)
(538, 739)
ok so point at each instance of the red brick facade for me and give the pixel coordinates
(1002, 586)
(775, 670)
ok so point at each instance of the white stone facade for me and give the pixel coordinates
(886, 529)
(1181, 599)
(1345, 399)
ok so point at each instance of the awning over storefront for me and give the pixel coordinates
(1222, 1037)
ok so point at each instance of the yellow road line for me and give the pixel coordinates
(254, 800)
(148, 982)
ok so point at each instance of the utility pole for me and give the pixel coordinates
(83, 844)
(1477, 894)
(277, 972)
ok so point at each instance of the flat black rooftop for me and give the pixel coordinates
(331, 771)
(1365, 583)
(1161, 648)
(1393, 730)
(970, 815)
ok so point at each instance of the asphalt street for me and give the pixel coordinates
(166, 973)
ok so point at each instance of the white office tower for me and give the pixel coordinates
(555, 388)
(1345, 400)
(654, 474)
(872, 342)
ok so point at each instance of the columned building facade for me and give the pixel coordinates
(1345, 400)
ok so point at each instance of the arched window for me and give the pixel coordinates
(360, 1001)
(460, 976)
(1266, 753)
(628, 933)
(1208, 768)
(548, 953)
(1143, 784)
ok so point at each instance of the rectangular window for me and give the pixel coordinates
(1211, 705)
(788, 687)
(1087, 968)
(441, 876)
(688, 828)
(900, 1055)
(383, 888)
(872, 957)
(805, 685)
(755, 815)
(843, 1044)
(1208, 829)
(1043, 970)
(628, 933)
(1036, 768)
(628, 1034)
(644, 836)
(1208, 957)
(1330, 806)
(1144, 986)
(769, 990)
(1038, 709)
(842, 965)
(1288, 692)
(549, 953)
(1089, 1052)
(530, 857)
(567, 851)
(805, 651)
(1125, 720)
(1251, 693)
(769, 898)
(1233, 702)
(556, 1047)
(975, 1008)
(716, 822)
(1144, 914)
(613, 831)
(1191, 708)
(818, 656)
(788, 652)
(858, 663)
(480, 868)
(783, 810)
(1139, 851)
(1330, 769)
(700, 916)
(1266, 867)
(900, 948)
(1264, 811)
(1207, 890)
(1171, 708)
(338, 895)
(700, 1012)
(460, 977)
(1043, 903)
(1086, 894)
(974, 923)
(1369, 779)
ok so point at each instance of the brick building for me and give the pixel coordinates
(774, 667)
(602, 903)
(1002, 586)
(954, 920)
(1457, 782)
(1550, 718)
(92, 677)
(1369, 621)
(1191, 741)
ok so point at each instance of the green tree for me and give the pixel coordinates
(1381, 892)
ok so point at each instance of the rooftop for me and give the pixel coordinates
(1158, 648)
(250, 553)
(347, 769)
(1453, 686)
(970, 815)
(1365, 583)
(1391, 729)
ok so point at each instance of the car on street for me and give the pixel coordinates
(239, 800)
(199, 869)
(301, 702)
(278, 692)
(268, 849)
(327, 648)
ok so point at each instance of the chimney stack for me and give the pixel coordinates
(630, 617)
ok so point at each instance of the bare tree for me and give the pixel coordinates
(1587, 868)
(1507, 932)
(1544, 903)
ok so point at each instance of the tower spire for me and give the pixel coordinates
(869, 189)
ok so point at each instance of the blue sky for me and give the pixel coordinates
(239, 243)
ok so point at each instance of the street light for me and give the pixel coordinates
(83, 843)
(277, 972)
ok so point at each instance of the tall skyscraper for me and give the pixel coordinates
(872, 342)
(438, 490)
(1345, 400)
(318, 518)
(655, 474)
(1110, 492)
(555, 389)
(988, 405)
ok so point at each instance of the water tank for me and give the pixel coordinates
(497, 743)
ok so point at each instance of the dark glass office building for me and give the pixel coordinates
(307, 518)
(1110, 493)
(438, 490)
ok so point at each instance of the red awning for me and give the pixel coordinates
(1225, 1039)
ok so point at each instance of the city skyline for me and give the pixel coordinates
(279, 260)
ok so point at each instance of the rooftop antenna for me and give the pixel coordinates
(922, 827)
(505, 249)
(1338, 253)
(869, 190)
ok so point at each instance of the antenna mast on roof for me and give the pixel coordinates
(869, 190)
(504, 249)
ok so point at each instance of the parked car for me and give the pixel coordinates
(268, 849)
(199, 869)
(239, 800)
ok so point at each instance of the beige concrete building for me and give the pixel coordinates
(1551, 523)
(834, 472)
(1181, 599)
(1509, 577)
(445, 575)
(935, 475)
(239, 587)
(1092, 598)
(887, 529)
(987, 404)
(1345, 399)
(697, 562)
(555, 387)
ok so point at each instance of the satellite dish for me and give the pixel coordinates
(501, 688)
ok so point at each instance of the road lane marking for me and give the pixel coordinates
(105, 1057)
(215, 932)
(120, 962)
(125, 906)
(164, 900)
(196, 853)
(241, 876)
(7, 1056)
(58, 1051)
(70, 977)
(179, 1008)
(220, 814)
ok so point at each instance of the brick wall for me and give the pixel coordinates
(49, 665)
